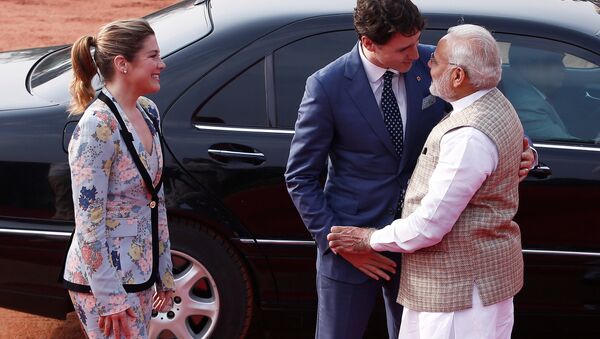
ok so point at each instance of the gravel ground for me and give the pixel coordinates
(26, 326)
(37, 23)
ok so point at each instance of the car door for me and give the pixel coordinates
(36, 210)
(554, 89)
(242, 117)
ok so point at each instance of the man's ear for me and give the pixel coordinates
(459, 77)
(367, 43)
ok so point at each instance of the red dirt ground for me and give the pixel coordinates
(37, 23)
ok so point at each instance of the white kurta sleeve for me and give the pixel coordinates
(467, 158)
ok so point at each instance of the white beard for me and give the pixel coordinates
(441, 87)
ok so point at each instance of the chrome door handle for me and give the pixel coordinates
(589, 96)
(237, 154)
(540, 171)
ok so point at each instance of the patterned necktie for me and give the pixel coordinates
(393, 122)
(391, 113)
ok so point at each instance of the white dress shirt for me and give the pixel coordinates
(375, 76)
(467, 157)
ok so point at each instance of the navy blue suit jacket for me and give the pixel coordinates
(339, 120)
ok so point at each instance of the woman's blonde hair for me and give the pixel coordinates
(122, 37)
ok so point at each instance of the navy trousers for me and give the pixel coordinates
(344, 309)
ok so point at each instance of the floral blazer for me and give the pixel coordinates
(112, 242)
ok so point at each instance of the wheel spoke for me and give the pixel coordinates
(185, 281)
(204, 307)
(175, 325)
(181, 331)
(156, 328)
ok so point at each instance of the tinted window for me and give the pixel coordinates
(297, 61)
(555, 89)
(240, 103)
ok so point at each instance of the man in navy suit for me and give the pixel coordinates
(340, 119)
(341, 123)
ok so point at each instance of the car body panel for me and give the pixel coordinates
(15, 67)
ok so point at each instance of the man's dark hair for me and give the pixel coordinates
(378, 20)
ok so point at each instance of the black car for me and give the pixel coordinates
(234, 79)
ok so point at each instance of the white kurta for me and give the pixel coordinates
(467, 158)
(478, 322)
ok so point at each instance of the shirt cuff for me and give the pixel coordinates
(393, 237)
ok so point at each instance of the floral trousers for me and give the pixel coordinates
(141, 302)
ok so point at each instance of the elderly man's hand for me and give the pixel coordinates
(350, 239)
(372, 264)
(527, 159)
(352, 243)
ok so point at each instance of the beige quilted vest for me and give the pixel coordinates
(484, 245)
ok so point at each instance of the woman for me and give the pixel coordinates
(120, 245)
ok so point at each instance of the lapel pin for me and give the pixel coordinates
(418, 78)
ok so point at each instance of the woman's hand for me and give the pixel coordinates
(117, 322)
(163, 301)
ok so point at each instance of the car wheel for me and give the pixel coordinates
(213, 293)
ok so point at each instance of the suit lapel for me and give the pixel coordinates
(156, 141)
(158, 149)
(137, 144)
(129, 125)
(361, 94)
(414, 80)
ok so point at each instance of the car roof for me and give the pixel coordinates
(578, 15)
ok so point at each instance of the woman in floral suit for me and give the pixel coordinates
(120, 248)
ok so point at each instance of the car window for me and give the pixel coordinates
(295, 62)
(241, 102)
(555, 89)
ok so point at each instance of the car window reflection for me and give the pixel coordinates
(553, 93)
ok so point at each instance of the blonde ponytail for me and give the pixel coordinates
(121, 37)
(84, 70)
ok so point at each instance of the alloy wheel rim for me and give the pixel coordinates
(196, 302)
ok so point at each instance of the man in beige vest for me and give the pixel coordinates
(463, 261)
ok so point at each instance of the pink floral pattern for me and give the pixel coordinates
(112, 241)
(88, 311)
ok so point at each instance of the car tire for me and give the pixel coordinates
(213, 296)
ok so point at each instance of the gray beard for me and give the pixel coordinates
(441, 87)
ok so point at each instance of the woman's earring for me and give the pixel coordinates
(124, 71)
